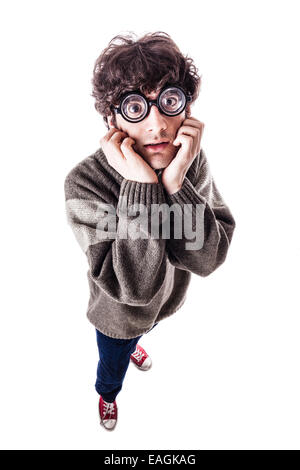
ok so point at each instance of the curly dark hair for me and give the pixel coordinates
(144, 64)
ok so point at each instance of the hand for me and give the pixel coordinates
(117, 146)
(189, 137)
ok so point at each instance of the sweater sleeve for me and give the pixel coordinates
(129, 268)
(205, 230)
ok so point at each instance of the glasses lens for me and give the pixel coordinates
(172, 101)
(134, 107)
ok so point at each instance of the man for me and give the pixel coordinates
(150, 158)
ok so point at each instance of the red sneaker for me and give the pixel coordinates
(108, 414)
(140, 358)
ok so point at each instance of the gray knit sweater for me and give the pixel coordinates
(135, 283)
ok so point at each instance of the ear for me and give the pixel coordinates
(188, 111)
(110, 122)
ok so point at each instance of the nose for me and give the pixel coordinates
(156, 121)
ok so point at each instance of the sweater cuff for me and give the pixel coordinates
(135, 192)
(187, 194)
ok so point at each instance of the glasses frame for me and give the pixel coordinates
(118, 109)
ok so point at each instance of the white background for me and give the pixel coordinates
(225, 369)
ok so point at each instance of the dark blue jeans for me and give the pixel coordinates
(113, 363)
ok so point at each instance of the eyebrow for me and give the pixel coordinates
(139, 91)
(152, 92)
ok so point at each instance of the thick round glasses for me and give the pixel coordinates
(135, 107)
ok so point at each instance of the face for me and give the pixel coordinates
(155, 128)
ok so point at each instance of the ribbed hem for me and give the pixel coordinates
(134, 192)
(187, 194)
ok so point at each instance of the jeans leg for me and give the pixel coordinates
(113, 364)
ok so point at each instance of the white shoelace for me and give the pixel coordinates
(108, 408)
(138, 355)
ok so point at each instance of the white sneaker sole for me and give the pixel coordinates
(140, 368)
(108, 429)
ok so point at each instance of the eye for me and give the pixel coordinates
(173, 101)
(134, 108)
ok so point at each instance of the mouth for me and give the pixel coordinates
(157, 147)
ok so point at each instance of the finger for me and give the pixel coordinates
(126, 147)
(117, 137)
(111, 132)
(107, 136)
(193, 118)
(184, 139)
(189, 130)
(192, 132)
(194, 122)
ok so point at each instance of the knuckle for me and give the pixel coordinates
(126, 141)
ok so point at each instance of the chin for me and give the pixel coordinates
(160, 162)
(157, 165)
